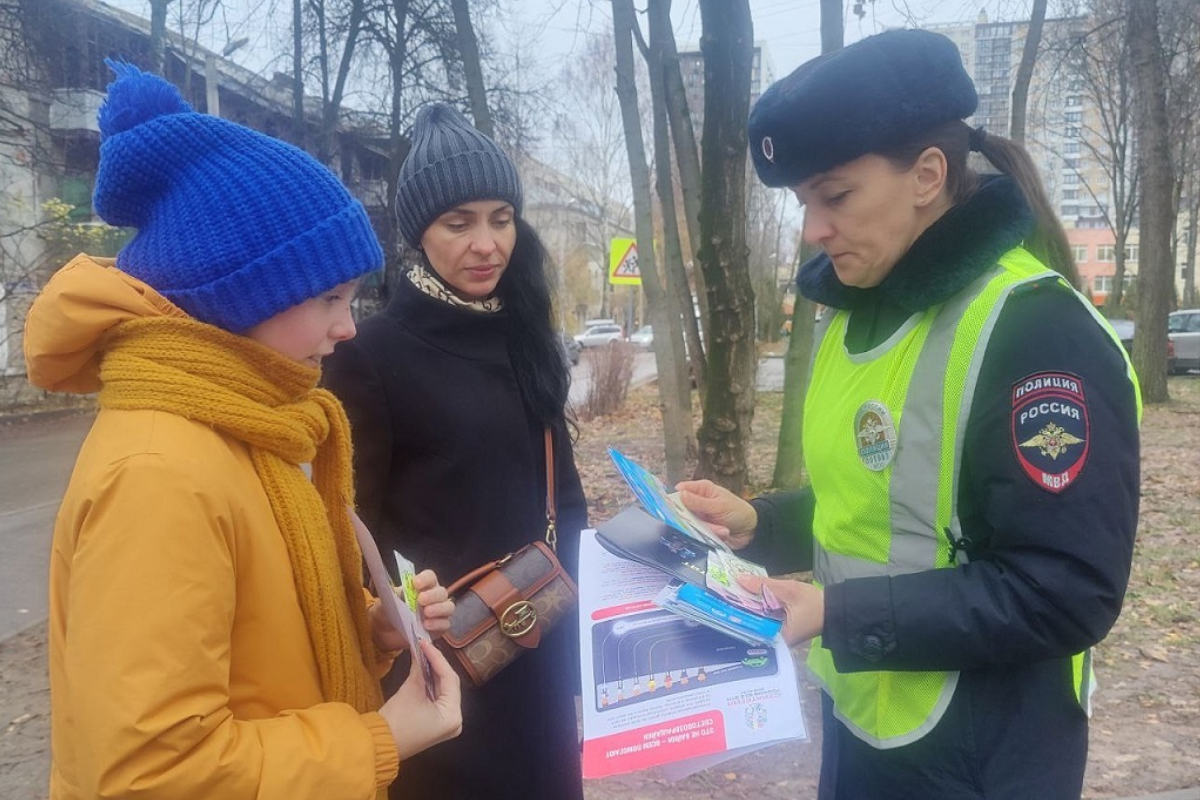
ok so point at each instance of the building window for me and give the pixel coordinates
(1079, 252)
(1070, 194)
(1106, 253)
(1104, 283)
(1131, 252)
(1071, 179)
(1071, 148)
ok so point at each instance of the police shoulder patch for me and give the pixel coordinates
(1050, 428)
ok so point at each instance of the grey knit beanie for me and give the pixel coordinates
(450, 163)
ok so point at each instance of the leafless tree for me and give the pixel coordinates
(675, 425)
(1158, 216)
(672, 354)
(727, 43)
(1093, 60)
(1020, 94)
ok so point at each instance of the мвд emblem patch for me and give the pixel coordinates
(1050, 428)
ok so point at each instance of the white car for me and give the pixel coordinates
(643, 337)
(1183, 329)
(599, 335)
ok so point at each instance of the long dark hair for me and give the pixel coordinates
(1048, 241)
(527, 289)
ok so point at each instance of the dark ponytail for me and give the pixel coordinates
(1048, 241)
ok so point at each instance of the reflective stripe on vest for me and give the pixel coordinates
(895, 520)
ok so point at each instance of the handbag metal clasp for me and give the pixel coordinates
(518, 619)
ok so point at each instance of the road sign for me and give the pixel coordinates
(623, 263)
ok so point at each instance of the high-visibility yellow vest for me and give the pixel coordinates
(883, 433)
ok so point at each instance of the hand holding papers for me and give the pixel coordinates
(402, 614)
(687, 551)
(661, 503)
(660, 690)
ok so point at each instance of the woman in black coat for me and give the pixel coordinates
(449, 391)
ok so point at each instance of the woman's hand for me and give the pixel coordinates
(803, 603)
(434, 602)
(418, 722)
(435, 605)
(730, 517)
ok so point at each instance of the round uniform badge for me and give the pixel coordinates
(875, 435)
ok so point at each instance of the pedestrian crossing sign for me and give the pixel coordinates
(623, 263)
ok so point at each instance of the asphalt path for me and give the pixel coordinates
(36, 457)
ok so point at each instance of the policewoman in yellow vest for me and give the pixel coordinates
(970, 434)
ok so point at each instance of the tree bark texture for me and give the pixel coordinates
(1156, 273)
(468, 48)
(158, 35)
(297, 74)
(687, 161)
(1020, 95)
(727, 42)
(663, 62)
(676, 430)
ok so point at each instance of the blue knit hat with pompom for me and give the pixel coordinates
(232, 226)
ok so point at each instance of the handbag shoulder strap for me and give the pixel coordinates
(551, 512)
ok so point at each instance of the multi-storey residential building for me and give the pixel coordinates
(1062, 124)
(691, 65)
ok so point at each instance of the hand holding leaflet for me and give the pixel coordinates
(662, 503)
(400, 614)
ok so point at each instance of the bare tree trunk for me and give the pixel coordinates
(468, 48)
(1156, 271)
(687, 160)
(789, 450)
(398, 146)
(676, 428)
(1020, 95)
(1189, 269)
(333, 102)
(297, 75)
(664, 62)
(833, 32)
(727, 42)
(158, 35)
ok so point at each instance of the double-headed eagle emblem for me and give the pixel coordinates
(1052, 440)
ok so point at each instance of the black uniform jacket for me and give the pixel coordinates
(1046, 570)
(449, 470)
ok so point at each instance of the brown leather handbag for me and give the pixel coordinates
(506, 607)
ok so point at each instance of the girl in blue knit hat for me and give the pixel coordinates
(970, 434)
(450, 391)
(210, 635)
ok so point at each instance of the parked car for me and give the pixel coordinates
(591, 323)
(1183, 330)
(599, 334)
(643, 337)
(570, 349)
(1124, 329)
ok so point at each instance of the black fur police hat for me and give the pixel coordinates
(879, 92)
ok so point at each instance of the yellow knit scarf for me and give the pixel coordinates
(270, 403)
